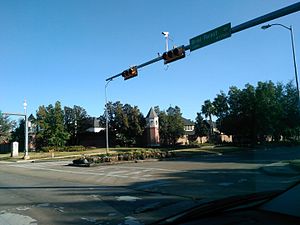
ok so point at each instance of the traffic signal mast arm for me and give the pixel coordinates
(251, 23)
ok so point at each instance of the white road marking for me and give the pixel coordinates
(80, 172)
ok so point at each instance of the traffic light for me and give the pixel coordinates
(174, 54)
(131, 72)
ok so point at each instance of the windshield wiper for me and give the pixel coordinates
(218, 206)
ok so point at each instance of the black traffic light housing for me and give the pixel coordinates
(174, 54)
(130, 73)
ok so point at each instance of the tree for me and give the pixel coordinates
(75, 122)
(220, 106)
(19, 134)
(221, 109)
(291, 113)
(253, 113)
(175, 124)
(50, 126)
(136, 124)
(171, 125)
(201, 126)
(267, 109)
(59, 136)
(126, 123)
(163, 126)
(208, 110)
(6, 127)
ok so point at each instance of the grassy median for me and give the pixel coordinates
(180, 151)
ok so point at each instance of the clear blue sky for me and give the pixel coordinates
(65, 49)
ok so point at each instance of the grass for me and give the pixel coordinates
(182, 152)
(47, 155)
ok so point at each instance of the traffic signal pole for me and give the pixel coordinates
(251, 23)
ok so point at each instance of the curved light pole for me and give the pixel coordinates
(106, 117)
(293, 50)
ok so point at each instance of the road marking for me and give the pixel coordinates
(80, 172)
(151, 168)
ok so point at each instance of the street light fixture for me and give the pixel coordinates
(26, 155)
(293, 50)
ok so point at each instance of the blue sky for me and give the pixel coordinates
(65, 49)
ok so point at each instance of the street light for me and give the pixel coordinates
(293, 50)
(26, 155)
(106, 117)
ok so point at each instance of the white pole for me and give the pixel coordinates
(26, 155)
(106, 118)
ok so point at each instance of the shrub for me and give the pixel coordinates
(47, 149)
(75, 148)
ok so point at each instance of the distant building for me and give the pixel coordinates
(152, 128)
(93, 125)
(189, 132)
(32, 129)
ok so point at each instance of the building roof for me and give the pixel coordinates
(151, 114)
(31, 117)
(92, 122)
(187, 122)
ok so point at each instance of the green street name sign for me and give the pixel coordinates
(210, 37)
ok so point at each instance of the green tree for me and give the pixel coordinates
(19, 134)
(163, 126)
(6, 127)
(267, 109)
(220, 105)
(136, 124)
(75, 122)
(126, 123)
(201, 126)
(175, 124)
(50, 126)
(291, 113)
(253, 113)
(171, 125)
(59, 135)
(208, 110)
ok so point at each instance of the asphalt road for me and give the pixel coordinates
(131, 193)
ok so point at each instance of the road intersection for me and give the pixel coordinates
(52, 192)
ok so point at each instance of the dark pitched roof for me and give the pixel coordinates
(92, 122)
(151, 114)
(31, 117)
(187, 122)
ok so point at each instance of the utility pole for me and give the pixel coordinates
(26, 155)
(106, 118)
(293, 51)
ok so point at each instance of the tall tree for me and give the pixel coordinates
(171, 125)
(75, 122)
(201, 126)
(175, 124)
(50, 126)
(19, 134)
(208, 110)
(6, 127)
(126, 123)
(255, 113)
(59, 136)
